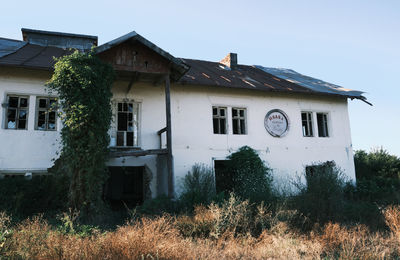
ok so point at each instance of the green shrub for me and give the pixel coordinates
(251, 178)
(321, 198)
(198, 187)
(83, 83)
(377, 163)
(159, 206)
(41, 194)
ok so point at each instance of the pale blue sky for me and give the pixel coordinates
(355, 44)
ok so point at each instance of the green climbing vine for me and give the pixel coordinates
(83, 83)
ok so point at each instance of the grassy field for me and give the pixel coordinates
(214, 232)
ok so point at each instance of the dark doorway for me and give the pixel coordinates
(223, 177)
(125, 186)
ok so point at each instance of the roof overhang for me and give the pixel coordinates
(178, 68)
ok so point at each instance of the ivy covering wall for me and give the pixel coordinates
(83, 83)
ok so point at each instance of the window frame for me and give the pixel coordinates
(47, 110)
(309, 122)
(17, 109)
(238, 117)
(219, 117)
(138, 121)
(325, 122)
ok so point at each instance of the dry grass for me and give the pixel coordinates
(216, 236)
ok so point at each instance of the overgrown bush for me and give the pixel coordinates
(198, 187)
(83, 83)
(251, 178)
(159, 206)
(41, 194)
(321, 198)
(377, 163)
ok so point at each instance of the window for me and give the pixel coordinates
(322, 121)
(307, 124)
(46, 115)
(219, 120)
(239, 121)
(127, 124)
(17, 112)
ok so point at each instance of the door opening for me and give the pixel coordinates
(223, 177)
(125, 186)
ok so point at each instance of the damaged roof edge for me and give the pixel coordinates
(313, 84)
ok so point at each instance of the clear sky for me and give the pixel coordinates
(354, 44)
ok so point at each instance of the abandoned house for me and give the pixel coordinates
(170, 113)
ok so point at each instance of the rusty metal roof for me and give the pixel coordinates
(206, 73)
(259, 78)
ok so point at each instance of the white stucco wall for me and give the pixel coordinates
(192, 132)
(30, 149)
(194, 141)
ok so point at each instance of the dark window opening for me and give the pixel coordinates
(307, 125)
(223, 177)
(125, 186)
(127, 124)
(322, 121)
(239, 121)
(219, 120)
(321, 168)
(46, 116)
(17, 112)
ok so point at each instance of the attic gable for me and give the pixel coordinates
(133, 53)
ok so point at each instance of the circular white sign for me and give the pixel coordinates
(276, 122)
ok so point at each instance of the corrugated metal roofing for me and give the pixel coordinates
(8, 46)
(196, 72)
(33, 56)
(243, 76)
(311, 83)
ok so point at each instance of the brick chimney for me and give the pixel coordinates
(230, 60)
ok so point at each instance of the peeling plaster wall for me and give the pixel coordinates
(192, 133)
(194, 141)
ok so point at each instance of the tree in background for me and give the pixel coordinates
(377, 163)
(83, 83)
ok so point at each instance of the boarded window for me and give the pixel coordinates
(307, 124)
(322, 121)
(219, 120)
(17, 112)
(46, 114)
(239, 121)
(127, 124)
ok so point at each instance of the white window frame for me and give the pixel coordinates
(47, 110)
(138, 122)
(218, 117)
(238, 118)
(18, 108)
(309, 122)
(325, 124)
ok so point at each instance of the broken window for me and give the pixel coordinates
(219, 120)
(46, 114)
(307, 124)
(322, 122)
(17, 112)
(239, 121)
(127, 124)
